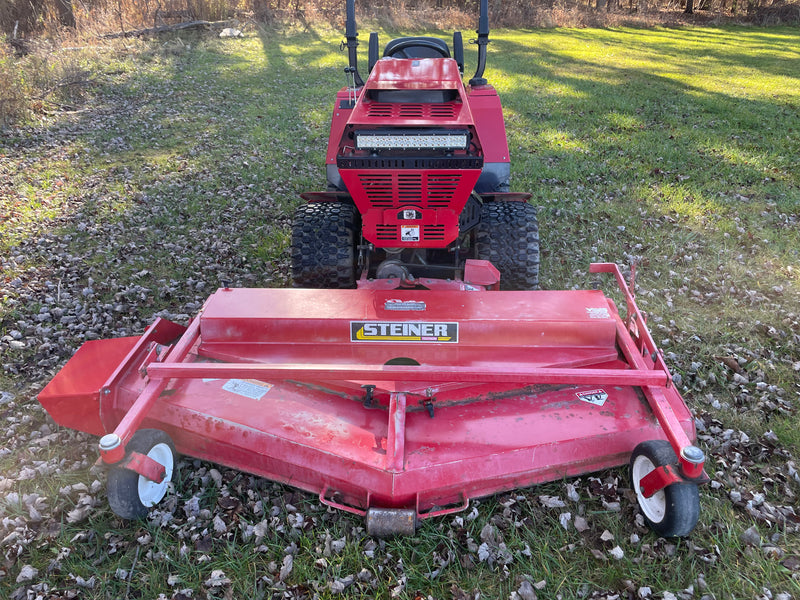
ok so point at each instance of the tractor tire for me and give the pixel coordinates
(323, 245)
(131, 495)
(673, 511)
(508, 237)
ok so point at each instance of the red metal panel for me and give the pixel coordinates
(318, 440)
(437, 196)
(488, 114)
(483, 273)
(73, 396)
(566, 319)
(341, 113)
(418, 74)
(425, 189)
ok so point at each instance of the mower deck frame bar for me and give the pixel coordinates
(433, 374)
(647, 347)
(144, 402)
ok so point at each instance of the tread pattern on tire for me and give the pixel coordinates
(323, 245)
(682, 499)
(508, 237)
(123, 484)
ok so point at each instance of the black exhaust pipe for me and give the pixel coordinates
(482, 41)
(351, 33)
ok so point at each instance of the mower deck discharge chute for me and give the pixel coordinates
(427, 385)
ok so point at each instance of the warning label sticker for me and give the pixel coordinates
(596, 397)
(409, 233)
(249, 388)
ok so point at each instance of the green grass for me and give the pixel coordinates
(676, 148)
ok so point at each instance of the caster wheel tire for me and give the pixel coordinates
(324, 236)
(508, 237)
(131, 495)
(673, 511)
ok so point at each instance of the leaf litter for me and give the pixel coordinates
(119, 252)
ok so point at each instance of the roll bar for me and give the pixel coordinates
(351, 34)
(482, 41)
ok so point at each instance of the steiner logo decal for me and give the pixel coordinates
(402, 331)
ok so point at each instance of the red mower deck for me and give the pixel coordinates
(406, 400)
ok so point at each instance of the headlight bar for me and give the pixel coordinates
(412, 139)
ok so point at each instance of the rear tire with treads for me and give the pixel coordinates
(323, 245)
(508, 237)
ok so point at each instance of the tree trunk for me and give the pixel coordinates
(66, 16)
(689, 7)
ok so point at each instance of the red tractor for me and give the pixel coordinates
(394, 404)
(418, 174)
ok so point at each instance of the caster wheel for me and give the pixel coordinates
(673, 511)
(131, 495)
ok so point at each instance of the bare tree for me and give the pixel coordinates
(66, 16)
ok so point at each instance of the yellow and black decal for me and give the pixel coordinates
(403, 331)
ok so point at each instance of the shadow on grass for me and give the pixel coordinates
(622, 119)
(199, 124)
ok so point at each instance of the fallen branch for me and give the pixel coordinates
(62, 84)
(167, 29)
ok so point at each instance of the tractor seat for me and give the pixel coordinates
(417, 47)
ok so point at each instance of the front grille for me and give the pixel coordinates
(378, 189)
(385, 110)
(426, 190)
(441, 188)
(409, 187)
(433, 232)
(387, 198)
(430, 233)
(387, 232)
